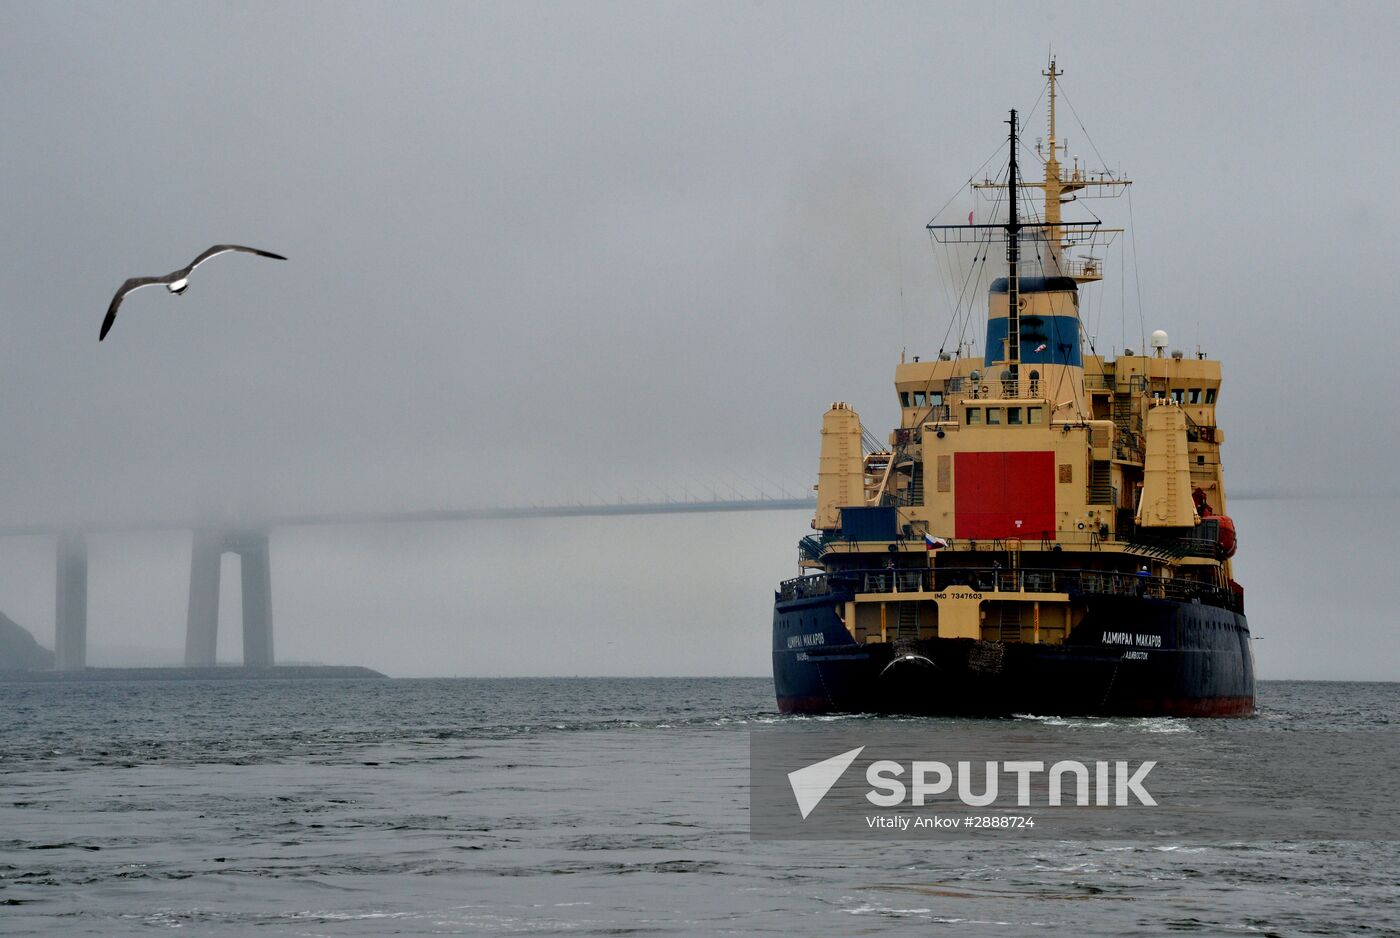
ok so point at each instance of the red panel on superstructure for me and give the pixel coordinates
(994, 491)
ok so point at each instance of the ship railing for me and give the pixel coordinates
(804, 586)
(1089, 539)
(1082, 269)
(1021, 580)
(812, 547)
(893, 581)
(939, 413)
(998, 389)
(909, 581)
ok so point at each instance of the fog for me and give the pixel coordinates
(549, 253)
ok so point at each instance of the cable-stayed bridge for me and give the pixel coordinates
(248, 539)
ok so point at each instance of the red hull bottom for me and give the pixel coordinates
(1174, 707)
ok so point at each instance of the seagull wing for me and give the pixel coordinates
(135, 283)
(224, 249)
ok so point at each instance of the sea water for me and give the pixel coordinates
(575, 806)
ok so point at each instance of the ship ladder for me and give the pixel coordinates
(1010, 622)
(907, 624)
(1100, 482)
(916, 485)
(1129, 424)
(905, 644)
(1112, 680)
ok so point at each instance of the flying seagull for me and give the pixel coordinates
(176, 281)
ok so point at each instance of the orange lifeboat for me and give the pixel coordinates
(1227, 535)
(1224, 528)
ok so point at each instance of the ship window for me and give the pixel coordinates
(1176, 395)
(993, 415)
(918, 398)
(903, 398)
(1210, 395)
(1035, 414)
(974, 415)
(1013, 415)
(1194, 395)
(935, 397)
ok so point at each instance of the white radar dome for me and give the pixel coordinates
(1159, 339)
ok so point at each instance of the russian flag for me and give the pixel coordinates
(933, 543)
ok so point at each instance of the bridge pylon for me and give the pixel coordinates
(71, 602)
(202, 629)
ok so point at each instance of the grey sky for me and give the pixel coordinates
(547, 252)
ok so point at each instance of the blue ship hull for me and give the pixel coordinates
(1197, 661)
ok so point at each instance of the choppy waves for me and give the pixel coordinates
(574, 807)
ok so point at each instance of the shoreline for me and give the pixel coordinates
(227, 673)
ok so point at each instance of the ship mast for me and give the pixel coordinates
(1053, 187)
(1013, 262)
(1058, 185)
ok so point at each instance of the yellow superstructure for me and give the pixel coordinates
(1037, 464)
